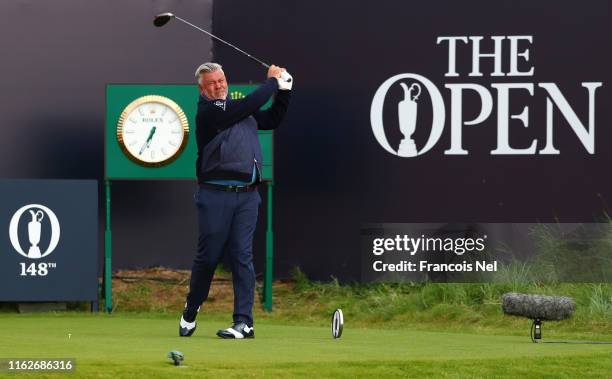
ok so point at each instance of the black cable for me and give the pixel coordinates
(581, 342)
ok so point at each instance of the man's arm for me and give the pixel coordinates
(222, 114)
(272, 117)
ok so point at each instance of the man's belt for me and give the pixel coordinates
(221, 187)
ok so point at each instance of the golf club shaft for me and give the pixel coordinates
(225, 42)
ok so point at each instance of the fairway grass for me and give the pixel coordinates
(135, 346)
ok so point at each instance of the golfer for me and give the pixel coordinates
(229, 170)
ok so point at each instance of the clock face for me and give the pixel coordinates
(152, 131)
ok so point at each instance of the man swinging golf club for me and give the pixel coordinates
(229, 169)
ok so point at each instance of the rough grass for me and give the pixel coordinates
(425, 306)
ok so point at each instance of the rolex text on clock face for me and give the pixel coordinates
(152, 130)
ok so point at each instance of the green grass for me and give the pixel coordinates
(135, 345)
(392, 330)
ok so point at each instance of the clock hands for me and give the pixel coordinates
(148, 141)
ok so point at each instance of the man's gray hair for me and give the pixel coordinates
(206, 68)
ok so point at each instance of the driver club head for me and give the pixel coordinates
(162, 19)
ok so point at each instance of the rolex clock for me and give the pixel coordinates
(152, 131)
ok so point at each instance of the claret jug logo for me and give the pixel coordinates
(36, 223)
(516, 49)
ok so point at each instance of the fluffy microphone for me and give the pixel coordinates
(538, 306)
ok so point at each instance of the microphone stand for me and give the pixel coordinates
(536, 334)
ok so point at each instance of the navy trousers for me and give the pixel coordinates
(226, 222)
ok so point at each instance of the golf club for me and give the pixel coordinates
(163, 18)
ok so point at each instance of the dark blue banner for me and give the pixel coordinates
(48, 240)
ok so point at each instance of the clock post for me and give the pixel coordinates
(267, 290)
(108, 291)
